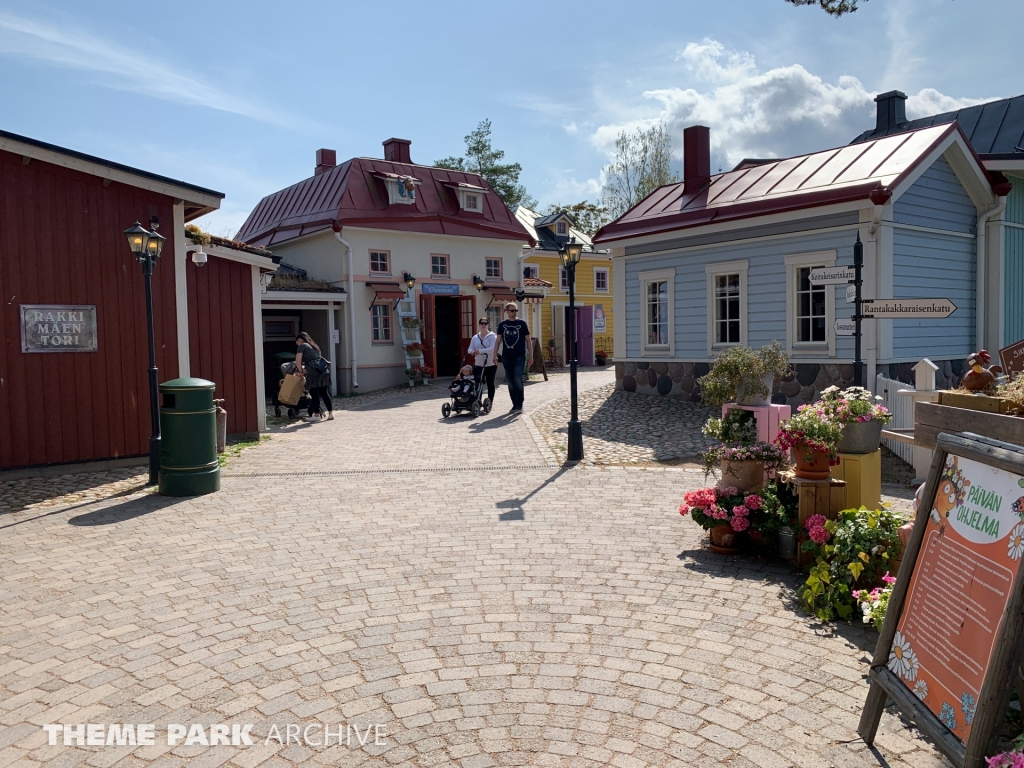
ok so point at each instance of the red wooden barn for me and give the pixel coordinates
(74, 354)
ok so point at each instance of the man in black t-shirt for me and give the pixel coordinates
(514, 343)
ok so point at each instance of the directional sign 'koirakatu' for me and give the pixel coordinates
(908, 308)
(831, 275)
(845, 327)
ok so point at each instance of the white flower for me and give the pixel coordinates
(921, 689)
(902, 659)
(1016, 543)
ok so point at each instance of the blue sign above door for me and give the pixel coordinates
(440, 289)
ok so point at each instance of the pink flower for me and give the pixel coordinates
(719, 513)
(739, 523)
(728, 491)
(683, 509)
(740, 511)
(888, 579)
(753, 501)
(818, 534)
(701, 499)
(815, 521)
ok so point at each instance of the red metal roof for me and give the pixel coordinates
(834, 176)
(352, 195)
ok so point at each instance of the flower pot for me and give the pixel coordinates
(724, 540)
(743, 397)
(746, 476)
(861, 437)
(787, 543)
(810, 465)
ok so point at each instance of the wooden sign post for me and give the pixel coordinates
(953, 634)
(1012, 358)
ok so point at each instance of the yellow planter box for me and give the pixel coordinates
(863, 475)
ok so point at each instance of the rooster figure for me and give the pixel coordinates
(980, 377)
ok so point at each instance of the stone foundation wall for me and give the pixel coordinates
(804, 386)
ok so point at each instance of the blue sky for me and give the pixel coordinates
(238, 96)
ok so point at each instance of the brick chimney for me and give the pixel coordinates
(397, 151)
(696, 158)
(891, 112)
(325, 160)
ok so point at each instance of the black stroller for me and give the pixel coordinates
(305, 402)
(467, 394)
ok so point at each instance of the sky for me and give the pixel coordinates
(238, 96)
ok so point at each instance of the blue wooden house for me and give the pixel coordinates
(719, 260)
(996, 133)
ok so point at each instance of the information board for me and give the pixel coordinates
(953, 633)
(1012, 358)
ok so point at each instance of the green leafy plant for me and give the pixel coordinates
(412, 323)
(712, 507)
(737, 427)
(874, 603)
(743, 368)
(780, 508)
(852, 551)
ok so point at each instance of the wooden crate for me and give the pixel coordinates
(814, 497)
(931, 418)
(863, 475)
(975, 402)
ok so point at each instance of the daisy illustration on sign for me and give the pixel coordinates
(1015, 545)
(921, 690)
(902, 659)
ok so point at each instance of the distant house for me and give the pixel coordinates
(361, 232)
(81, 394)
(593, 287)
(996, 132)
(720, 260)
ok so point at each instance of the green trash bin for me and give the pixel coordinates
(188, 425)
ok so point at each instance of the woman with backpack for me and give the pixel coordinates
(318, 376)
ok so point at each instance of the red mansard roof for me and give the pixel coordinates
(353, 194)
(852, 172)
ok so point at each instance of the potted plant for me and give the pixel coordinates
(412, 323)
(744, 375)
(860, 415)
(780, 517)
(814, 438)
(741, 459)
(724, 512)
(415, 349)
(600, 357)
(428, 373)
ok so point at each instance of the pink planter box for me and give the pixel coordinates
(769, 418)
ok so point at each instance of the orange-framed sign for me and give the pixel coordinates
(953, 633)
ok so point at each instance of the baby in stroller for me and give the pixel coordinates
(465, 392)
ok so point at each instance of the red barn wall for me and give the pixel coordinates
(61, 242)
(222, 347)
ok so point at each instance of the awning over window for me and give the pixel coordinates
(385, 291)
(390, 294)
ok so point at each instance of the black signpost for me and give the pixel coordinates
(858, 314)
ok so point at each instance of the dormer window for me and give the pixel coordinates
(562, 228)
(401, 189)
(471, 197)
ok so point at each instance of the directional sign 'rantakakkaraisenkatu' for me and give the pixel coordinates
(831, 275)
(908, 308)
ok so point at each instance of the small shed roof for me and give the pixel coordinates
(353, 195)
(838, 175)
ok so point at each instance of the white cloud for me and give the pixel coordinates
(565, 188)
(570, 127)
(780, 112)
(123, 68)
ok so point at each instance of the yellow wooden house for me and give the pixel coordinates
(543, 276)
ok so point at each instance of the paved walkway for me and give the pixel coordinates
(438, 578)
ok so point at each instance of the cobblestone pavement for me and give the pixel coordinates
(533, 616)
(626, 428)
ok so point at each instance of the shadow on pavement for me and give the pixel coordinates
(514, 507)
(126, 510)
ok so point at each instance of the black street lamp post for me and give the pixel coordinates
(570, 256)
(146, 245)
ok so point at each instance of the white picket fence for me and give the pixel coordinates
(902, 410)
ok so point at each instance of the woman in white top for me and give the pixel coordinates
(482, 345)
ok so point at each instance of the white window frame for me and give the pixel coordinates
(390, 322)
(473, 202)
(563, 279)
(607, 283)
(501, 268)
(387, 254)
(713, 271)
(400, 196)
(654, 276)
(809, 348)
(562, 228)
(448, 267)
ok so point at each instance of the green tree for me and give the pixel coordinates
(483, 159)
(831, 7)
(641, 165)
(588, 217)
